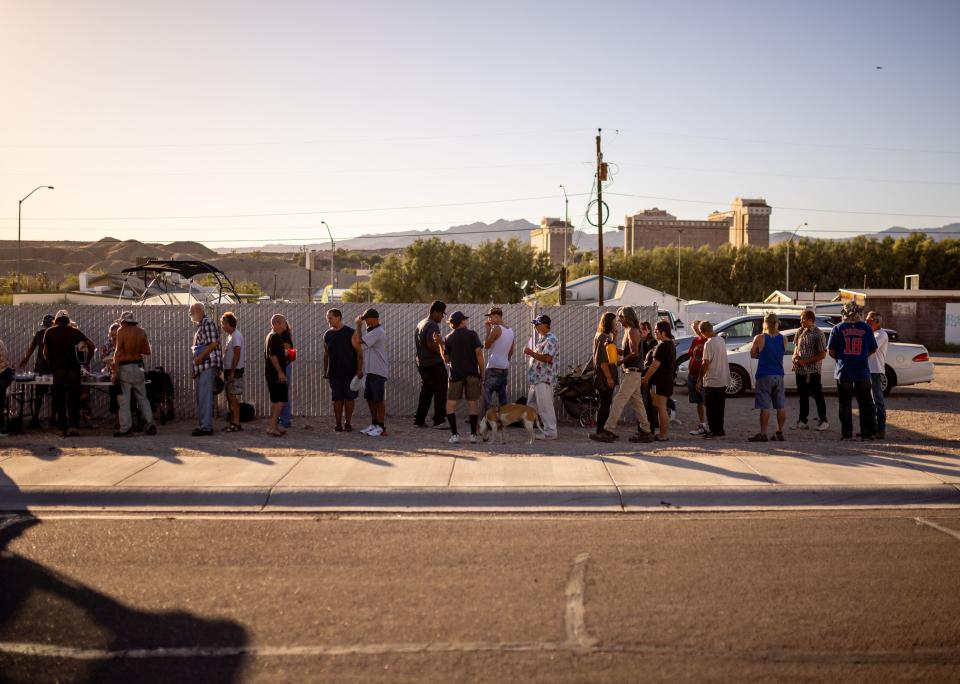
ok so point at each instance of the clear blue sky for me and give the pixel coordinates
(183, 109)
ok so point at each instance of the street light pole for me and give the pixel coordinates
(332, 250)
(789, 242)
(566, 223)
(19, 211)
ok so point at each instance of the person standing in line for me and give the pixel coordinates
(286, 416)
(769, 393)
(878, 364)
(7, 375)
(542, 375)
(648, 343)
(40, 367)
(809, 351)
(606, 377)
(713, 379)
(659, 377)
(375, 368)
(463, 351)
(207, 361)
(631, 388)
(132, 346)
(106, 356)
(693, 376)
(340, 363)
(60, 348)
(499, 341)
(234, 362)
(432, 370)
(275, 372)
(851, 344)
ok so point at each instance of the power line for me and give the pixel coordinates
(265, 143)
(287, 213)
(757, 141)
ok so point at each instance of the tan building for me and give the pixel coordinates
(551, 238)
(746, 223)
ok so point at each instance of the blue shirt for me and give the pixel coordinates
(853, 343)
(770, 361)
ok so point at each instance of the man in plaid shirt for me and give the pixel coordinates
(207, 361)
(808, 355)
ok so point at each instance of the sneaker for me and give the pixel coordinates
(777, 437)
(759, 437)
(822, 425)
(544, 436)
(128, 433)
(377, 431)
(473, 439)
(882, 434)
(441, 426)
(673, 417)
(200, 432)
(801, 425)
(715, 435)
(367, 430)
(3, 434)
(641, 438)
(152, 430)
(701, 430)
(73, 432)
(454, 439)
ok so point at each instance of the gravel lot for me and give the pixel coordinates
(921, 414)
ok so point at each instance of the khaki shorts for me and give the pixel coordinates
(470, 386)
(234, 388)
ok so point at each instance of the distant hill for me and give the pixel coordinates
(951, 230)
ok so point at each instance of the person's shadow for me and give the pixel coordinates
(55, 629)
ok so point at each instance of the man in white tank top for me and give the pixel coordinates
(499, 341)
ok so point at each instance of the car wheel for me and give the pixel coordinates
(888, 379)
(739, 382)
(676, 380)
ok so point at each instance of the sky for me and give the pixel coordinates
(242, 123)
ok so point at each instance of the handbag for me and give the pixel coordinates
(599, 377)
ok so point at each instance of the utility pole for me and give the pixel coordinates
(679, 233)
(601, 176)
(566, 224)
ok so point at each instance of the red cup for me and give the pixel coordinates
(292, 354)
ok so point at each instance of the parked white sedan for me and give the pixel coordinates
(907, 364)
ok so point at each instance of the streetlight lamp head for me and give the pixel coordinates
(49, 187)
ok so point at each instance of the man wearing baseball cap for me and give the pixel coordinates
(851, 343)
(374, 368)
(430, 366)
(499, 341)
(40, 367)
(542, 374)
(463, 351)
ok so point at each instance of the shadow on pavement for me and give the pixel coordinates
(40, 606)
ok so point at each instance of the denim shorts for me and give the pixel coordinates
(695, 396)
(375, 387)
(770, 393)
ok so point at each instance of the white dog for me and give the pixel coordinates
(494, 420)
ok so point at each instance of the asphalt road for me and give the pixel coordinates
(853, 596)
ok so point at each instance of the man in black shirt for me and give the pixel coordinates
(61, 349)
(275, 365)
(463, 350)
(40, 367)
(340, 367)
(433, 372)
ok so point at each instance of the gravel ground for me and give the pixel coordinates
(920, 414)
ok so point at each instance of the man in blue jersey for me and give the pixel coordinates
(851, 343)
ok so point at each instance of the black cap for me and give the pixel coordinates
(542, 318)
(458, 317)
(48, 319)
(370, 313)
(438, 306)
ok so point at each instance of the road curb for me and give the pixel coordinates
(480, 499)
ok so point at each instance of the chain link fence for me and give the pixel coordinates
(171, 333)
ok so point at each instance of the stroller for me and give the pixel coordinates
(160, 394)
(579, 396)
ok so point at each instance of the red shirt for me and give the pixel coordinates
(696, 355)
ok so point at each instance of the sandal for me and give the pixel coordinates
(338, 428)
(275, 434)
(347, 427)
(233, 427)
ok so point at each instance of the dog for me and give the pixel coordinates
(494, 420)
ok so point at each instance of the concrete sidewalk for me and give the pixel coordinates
(288, 480)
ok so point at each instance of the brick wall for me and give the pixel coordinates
(927, 327)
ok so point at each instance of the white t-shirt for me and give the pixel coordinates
(718, 373)
(234, 341)
(374, 344)
(879, 358)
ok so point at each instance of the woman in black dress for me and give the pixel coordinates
(659, 377)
